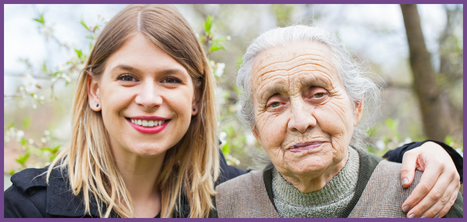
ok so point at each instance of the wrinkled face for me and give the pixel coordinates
(304, 117)
(146, 99)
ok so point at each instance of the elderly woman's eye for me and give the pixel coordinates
(126, 78)
(275, 104)
(319, 95)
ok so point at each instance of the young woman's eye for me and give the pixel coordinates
(126, 78)
(171, 80)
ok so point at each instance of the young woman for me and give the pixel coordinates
(144, 129)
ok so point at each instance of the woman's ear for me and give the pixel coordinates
(255, 132)
(93, 94)
(358, 111)
(195, 108)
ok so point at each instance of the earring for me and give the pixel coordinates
(194, 109)
(97, 105)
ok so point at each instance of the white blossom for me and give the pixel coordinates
(380, 145)
(220, 69)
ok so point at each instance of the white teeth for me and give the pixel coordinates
(147, 123)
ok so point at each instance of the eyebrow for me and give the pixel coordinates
(279, 87)
(272, 90)
(134, 69)
(124, 67)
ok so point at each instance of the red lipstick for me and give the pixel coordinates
(149, 130)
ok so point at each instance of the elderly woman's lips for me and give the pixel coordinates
(301, 147)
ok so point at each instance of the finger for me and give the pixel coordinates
(444, 201)
(448, 206)
(409, 163)
(427, 181)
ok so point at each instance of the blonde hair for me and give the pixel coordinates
(190, 167)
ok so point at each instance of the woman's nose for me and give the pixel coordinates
(301, 118)
(149, 97)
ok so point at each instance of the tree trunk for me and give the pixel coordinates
(424, 77)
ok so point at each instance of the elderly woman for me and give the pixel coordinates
(306, 102)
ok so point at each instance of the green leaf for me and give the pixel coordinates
(52, 150)
(44, 67)
(448, 140)
(219, 40)
(22, 159)
(12, 172)
(208, 24)
(371, 132)
(82, 22)
(24, 141)
(80, 54)
(12, 124)
(239, 62)
(40, 19)
(90, 37)
(215, 47)
(226, 147)
(26, 123)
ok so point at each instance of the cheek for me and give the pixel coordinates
(114, 99)
(272, 128)
(180, 101)
(335, 118)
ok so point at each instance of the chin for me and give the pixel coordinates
(149, 152)
(309, 167)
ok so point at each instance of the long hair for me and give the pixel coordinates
(190, 167)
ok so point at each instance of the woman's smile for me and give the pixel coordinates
(148, 124)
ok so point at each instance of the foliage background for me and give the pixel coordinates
(46, 46)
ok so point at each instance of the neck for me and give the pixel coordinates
(140, 175)
(327, 202)
(316, 180)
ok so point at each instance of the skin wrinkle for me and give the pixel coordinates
(312, 66)
(289, 79)
(295, 58)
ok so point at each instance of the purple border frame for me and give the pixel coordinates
(222, 2)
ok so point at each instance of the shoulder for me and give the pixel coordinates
(31, 196)
(227, 172)
(27, 195)
(383, 195)
(240, 183)
(244, 196)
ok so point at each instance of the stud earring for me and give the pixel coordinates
(194, 109)
(97, 105)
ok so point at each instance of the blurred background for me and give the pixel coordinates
(45, 47)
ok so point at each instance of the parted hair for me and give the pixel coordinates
(190, 167)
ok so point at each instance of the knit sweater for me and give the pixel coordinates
(327, 202)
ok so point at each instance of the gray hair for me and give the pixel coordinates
(357, 82)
